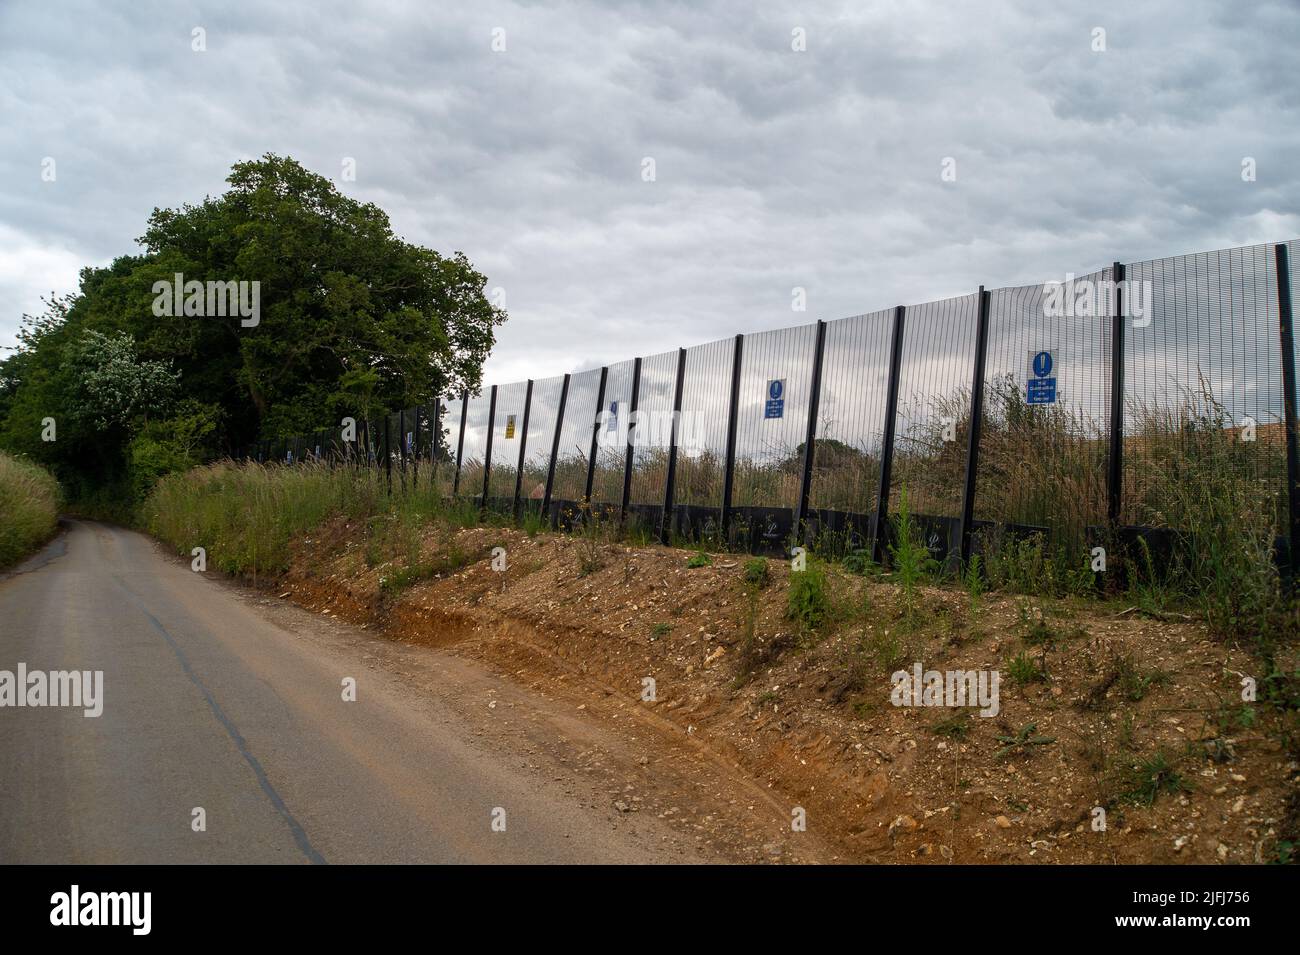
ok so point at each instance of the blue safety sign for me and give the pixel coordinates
(1040, 384)
(775, 406)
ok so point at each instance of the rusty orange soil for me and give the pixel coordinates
(763, 718)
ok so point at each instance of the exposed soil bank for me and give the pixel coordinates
(1140, 717)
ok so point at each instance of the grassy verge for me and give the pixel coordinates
(248, 516)
(29, 501)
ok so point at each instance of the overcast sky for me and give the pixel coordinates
(774, 168)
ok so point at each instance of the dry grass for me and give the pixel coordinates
(29, 501)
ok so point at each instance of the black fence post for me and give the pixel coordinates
(1285, 320)
(555, 447)
(523, 447)
(460, 441)
(415, 448)
(416, 429)
(670, 481)
(879, 533)
(425, 414)
(595, 435)
(1115, 454)
(810, 437)
(733, 410)
(388, 454)
(401, 446)
(976, 421)
(435, 439)
(631, 438)
(487, 452)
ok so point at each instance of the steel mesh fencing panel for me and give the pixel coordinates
(541, 435)
(933, 421)
(772, 416)
(445, 444)
(1204, 423)
(702, 428)
(366, 441)
(336, 448)
(472, 457)
(575, 436)
(405, 446)
(652, 435)
(611, 449)
(851, 414)
(507, 433)
(1043, 440)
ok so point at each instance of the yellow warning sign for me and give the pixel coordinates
(510, 426)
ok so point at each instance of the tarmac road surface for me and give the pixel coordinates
(209, 701)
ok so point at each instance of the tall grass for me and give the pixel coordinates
(247, 515)
(29, 505)
(1190, 471)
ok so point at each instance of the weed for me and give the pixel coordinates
(1022, 670)
(1038, 632)
(973, 581)
(592, 537)
(808, 602)
(637, 534)
(1028, 565)
(756, 572)
(534, 522)
(1134, 682)
(1147, 588)
(911, 561)
(859, 562)
(1127, 731)
(700, 558)
(954, 727)
(883, 648)
(1142, 782)
(1020, 743)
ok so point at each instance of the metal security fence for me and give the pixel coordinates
(1078, 409)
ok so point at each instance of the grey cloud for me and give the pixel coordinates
(775, 169)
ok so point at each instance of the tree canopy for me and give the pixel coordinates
(352, 320)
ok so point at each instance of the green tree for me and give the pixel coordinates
(111, 386)
(354, 321)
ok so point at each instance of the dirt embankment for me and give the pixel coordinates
(1117, 738)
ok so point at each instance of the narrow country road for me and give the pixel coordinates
(211, 701)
